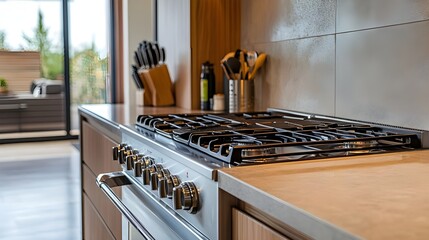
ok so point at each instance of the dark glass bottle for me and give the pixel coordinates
(207, 86)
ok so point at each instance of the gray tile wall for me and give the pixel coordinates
(360, 59)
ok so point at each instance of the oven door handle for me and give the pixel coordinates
(106, 181)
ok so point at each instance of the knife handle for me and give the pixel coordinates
(162, 57)
(157, 53)
(137, 59)
(150, 55)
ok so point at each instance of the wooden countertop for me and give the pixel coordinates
(382, 196)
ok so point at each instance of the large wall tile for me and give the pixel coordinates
(362, 14)
(383, 75)
(298, 75)
(276, 20)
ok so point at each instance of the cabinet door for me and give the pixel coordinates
(97, 158)
(97, 150)
(95, 229)
(245, 227)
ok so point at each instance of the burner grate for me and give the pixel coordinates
(271, 136)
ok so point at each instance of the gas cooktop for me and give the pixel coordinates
(274, 135)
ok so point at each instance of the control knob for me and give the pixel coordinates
(186, 197)
(146, 163)
(155, 175)
(138, 168)
(116, 150)
(172, 182)
(130, 160)
(163, 183)
(123, 153)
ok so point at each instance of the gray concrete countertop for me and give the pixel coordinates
(108, 117)
(381, 196)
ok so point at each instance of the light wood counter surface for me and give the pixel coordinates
(381, 196)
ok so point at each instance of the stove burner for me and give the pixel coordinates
(238, 138)
(259, 152)
(359, 146)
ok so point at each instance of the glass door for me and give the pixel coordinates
(53, 56)
(89, 53)
(32, 93)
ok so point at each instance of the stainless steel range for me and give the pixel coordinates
(170, 162)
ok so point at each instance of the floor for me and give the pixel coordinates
(39, 191)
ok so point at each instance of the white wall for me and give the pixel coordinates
(138, 25)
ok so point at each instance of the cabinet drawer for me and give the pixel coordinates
(245, 227)
(108, 212)
(97, 150)
(93, 226)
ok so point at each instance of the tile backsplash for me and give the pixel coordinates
(359, 59)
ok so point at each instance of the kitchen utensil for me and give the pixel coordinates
(243, 68)
(145, 57)
(149, 56)
(228, 72)
(235, 66)
(157, 53)
(251, 60)
(137, 59)
(163, 57)
(152, 54)
(228, 55)
(258, 64)
(136, 77)
(141, 52)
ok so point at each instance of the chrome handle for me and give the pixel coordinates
(106, 182)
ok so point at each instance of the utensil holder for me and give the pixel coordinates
(158, 88)
(241, 95)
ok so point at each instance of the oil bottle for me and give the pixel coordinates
(207, 86)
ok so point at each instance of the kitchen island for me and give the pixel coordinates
(370, 196)
(381, 196)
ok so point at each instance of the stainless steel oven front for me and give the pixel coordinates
(167, 193)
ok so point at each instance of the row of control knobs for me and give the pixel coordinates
(184, 194)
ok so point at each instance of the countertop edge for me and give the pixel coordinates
(297, 218)
(111, 129)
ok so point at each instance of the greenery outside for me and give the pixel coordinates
(3, 82)
(87, 69)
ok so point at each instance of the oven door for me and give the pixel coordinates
(143, 216)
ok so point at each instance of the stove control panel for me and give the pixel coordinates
(184, 195)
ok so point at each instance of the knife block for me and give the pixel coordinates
(158, 89)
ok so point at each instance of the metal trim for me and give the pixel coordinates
(38, 139)
(66, 64)
(106, 182)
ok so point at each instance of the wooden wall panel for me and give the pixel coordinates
(19, 68)
(215, 31)
(194, 32)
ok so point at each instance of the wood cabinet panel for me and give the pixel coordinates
(108, 212)
(97, 150)
(245, 227)
(215, 31)
(93, 225)
(97, 158)
(193, 32)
